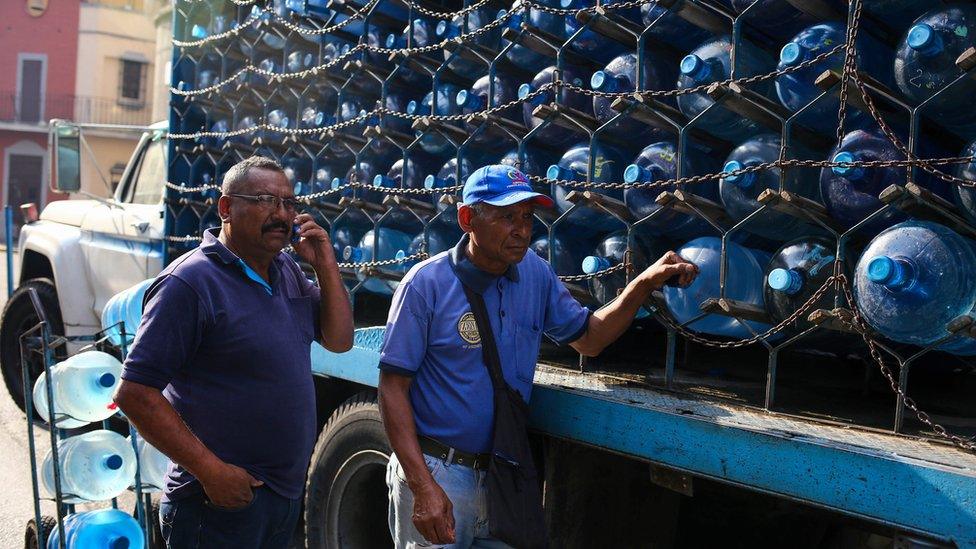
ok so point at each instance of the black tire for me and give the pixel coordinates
(18, 317)
(36, 537)
(346, 498)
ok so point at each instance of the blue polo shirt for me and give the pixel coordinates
(431, 336)
(231, 353)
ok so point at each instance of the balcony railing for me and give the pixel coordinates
(81, 109)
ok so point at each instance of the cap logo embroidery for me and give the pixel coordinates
(468, 328)
(518, 178)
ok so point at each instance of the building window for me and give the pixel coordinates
(30, 87)
(132, 82)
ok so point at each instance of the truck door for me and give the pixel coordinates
(123, 239)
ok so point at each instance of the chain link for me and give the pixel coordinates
(598, 274)
(376, 264)
(447, 14)
(571, 11)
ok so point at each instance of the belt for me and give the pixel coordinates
(442, 451)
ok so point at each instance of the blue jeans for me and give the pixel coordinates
(464, 486)
(268, 522)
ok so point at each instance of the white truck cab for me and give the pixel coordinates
(79, 253)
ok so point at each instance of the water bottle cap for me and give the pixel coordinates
(412, 105)
(429, 181)
(524, 90)
(336, 182)
(632, 173)
(462, 97)
(114, 462)
(881, 269)
(553, 172)
(692, 66)
(593, 264)
(390, 40)
(119, 543)
(598, 79)
(731, 166)
(921, 37)
(850, 172)
(791, 53)
(565, 3)
(785, 280)
(350, 253)
(441, 27)
(379, 180)
(198, 32)
(400, 255)
(106, 380)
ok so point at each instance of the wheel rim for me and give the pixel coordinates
(356, 514)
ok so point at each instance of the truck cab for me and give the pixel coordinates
(79, 253)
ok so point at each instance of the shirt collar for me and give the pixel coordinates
(214, 248)
(470, 275)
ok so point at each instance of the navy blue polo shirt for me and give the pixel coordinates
(431, 336)
(232, 355)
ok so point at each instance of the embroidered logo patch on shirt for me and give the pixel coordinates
(468, 328)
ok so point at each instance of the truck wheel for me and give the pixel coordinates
(346, 498)
(18, 317)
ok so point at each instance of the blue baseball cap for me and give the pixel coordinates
(501, 185)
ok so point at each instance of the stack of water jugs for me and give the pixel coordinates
(96, 465)
(910, 277)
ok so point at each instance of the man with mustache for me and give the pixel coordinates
(219, 376)
(435, 392)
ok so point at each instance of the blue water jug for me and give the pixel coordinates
(348, 229)
(739, 193)
(208, 72)
(391, 242)
(101, 529)
(567, 247)
(323, 173)
(573, 166)
(965, 197)
(668, 28)
(611, 251)
(915, 278)
(405, 173)
(552, 134)
(797, 271)
(95, 466)
(925, 60)
(659, 162)
(620, 75)
(779, 19)
(457, 26)
(532, 162)
(421, 34)
(153, 465)
(712, 62)
(475, 99)
(521, 56)
(433, 142)
(590, 43)
(447, 176)
(298, 171)
(125, 306)
(796, 89)
(744, 283)
(851, 193)
(442, 234)
(83, 387)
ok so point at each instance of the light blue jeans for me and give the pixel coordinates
(466, 489)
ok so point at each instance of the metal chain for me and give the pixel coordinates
(598, 274)
(850, 65)
(184, 189)
(460, 39)
(447, 14)
(368, 264)
(183, 239)
(858, 324)
(570, 11)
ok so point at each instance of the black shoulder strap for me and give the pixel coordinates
(488, 348)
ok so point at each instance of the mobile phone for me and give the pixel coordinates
(294, 233)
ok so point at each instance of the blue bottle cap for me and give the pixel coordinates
(380, 181)
(353, 254)
(881, 269)
(461, 98)
(634, 173)
(106, 380)
(198, 31)
(791, 53)
(390, 40)
(412, 107)
(850, 172)
(744, 180)
(922, 37)
(598, 79)
(336, 183)
(694, 67)
(785, 280)
(119, 543)
(524, 90)
(593, 264)
(400, 255)
(441, 27)
(556, 171)
(565, 3)
(113, 462)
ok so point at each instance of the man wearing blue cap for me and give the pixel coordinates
(435, 391)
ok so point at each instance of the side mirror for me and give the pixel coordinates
(67, 158)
